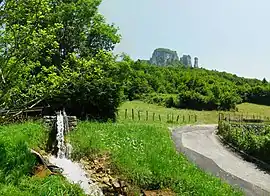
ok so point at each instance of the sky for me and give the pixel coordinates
(226, 35)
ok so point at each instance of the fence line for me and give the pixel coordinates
(241, 118)
(167, 117)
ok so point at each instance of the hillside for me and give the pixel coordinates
(192, 88)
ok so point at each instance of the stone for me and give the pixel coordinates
(163, 57)
(116, 184)
(196, 62)
(109, 171)
(186, 60)
(42, 171)
(106, 180)
(123, 183)
(99, 170)
(50, 121)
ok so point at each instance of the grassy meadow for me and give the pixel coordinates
(203, 117)
(141, 151)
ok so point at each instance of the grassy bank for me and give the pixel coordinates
(145, 154)
(17, 163)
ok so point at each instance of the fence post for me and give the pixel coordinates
(183, 118)
(146, 115)
(139, 115)
(159, 117)
(167, 117)
(195, 117)
(177, 118)
(126, 114)
(132, 114)
(189, 118)
(154, 116)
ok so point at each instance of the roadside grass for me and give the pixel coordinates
(145, 154)
(16, 163)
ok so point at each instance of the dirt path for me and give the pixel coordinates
(201, 145)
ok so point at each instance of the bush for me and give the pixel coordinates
(251, 138)
(167, 100)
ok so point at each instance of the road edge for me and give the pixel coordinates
(208, 165)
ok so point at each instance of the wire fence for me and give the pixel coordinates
(244, 118)
(141, 115)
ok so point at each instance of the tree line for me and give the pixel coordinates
(193, 88)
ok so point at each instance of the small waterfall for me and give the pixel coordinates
(66, 125)
(72, 171)
(60, 136)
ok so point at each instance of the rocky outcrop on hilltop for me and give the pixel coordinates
(186, 60)
(163, 57)
(196, 62)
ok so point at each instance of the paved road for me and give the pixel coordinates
(201, 145)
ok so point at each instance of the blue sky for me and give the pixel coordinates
(226, 35)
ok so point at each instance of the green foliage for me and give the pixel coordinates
(167, 100)
(52, 51)
(145, 154)
(93, 88)
(254, 139)
(198, 89)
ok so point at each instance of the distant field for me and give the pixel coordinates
(250, 109)
(203, 117)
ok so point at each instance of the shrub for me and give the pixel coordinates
(167, 100)
(251, 138)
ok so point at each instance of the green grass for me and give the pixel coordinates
(16, 163)
(145, 154)
(203, 117)
(250, 109)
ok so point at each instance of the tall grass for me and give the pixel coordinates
(17, 163)
(145, 154)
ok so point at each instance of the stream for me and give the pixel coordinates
(73, 171)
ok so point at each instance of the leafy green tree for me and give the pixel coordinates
(53, 50)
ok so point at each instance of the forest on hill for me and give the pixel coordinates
(193, 88)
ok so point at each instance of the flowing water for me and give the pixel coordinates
(71, 170)
(75, 174)
(60, 135)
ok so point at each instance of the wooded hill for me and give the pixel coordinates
(194, 88)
